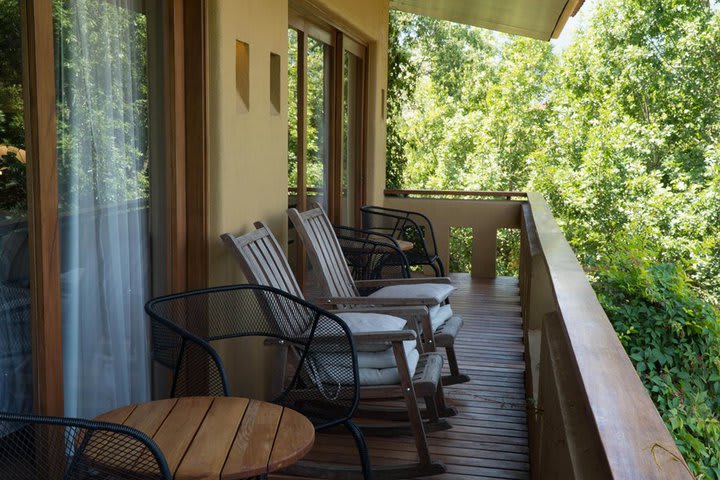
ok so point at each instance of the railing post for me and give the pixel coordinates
(484, 251)
(565, 446)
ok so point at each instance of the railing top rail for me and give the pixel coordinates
(634, 437)
(454, 193)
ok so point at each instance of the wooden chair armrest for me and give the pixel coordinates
(386, 282)
(387, 338)
(409, 311)
(404, 301)
(417, 317)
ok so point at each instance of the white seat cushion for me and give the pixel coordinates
(388, 376)
(439, 314)
(376, 363)
(439, 292)
(359, 322)
(384, 358)
(372, 322)
(326, 374)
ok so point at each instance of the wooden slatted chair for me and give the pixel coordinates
(391, 369)
(339, 289)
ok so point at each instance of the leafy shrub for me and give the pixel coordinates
(672, 336)
(13, 193)
(461, 249)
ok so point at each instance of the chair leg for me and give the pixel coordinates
(435, 270)
(442, 407)
(362, 449)
(455, 376)
(411, 402)
(432, 409)
(441, 266)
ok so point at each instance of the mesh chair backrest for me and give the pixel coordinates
(326, 372)
(49, 448)
(197, 368)
(371, 256)
(404, 225)
(324, 251)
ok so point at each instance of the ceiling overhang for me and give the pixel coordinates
(541, 19)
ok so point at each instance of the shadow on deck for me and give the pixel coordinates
(489, 435)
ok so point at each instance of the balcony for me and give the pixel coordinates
(553, 394)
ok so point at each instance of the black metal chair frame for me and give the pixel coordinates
(76, 464)
(370, 254)
(406, 225)
(220, 386)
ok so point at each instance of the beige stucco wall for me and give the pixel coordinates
(247, 148)
(247, 154)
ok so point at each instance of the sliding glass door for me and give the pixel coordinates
(94, 202)
(352, 155)
(318, 112)
(107, 93)
(326, 100)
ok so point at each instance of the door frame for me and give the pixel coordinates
(311, 23)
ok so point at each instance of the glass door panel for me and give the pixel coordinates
(292, 117)
(319, 76)
(350, 165)
(294, 166)
(16, 382)
(106, 95)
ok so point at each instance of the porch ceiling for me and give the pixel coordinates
(541, 19)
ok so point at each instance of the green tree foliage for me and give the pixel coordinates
(104, 90)
(12, 130)
(621, 133)
(673, 337)
(84, 172)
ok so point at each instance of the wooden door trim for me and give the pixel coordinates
(334, 200)
(42, 188)
(175, 174)
(195, 121)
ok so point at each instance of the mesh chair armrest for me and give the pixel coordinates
(385, 282)
(93, 427)
(360, 235)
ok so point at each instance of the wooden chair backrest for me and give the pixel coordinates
(324, 250)
(262, 260)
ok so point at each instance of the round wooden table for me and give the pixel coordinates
(220, 437)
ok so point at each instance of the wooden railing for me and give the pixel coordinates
(589, 415)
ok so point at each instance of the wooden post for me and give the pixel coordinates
(42, 187)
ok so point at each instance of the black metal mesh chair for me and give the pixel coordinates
(33, 447)
(410, 226)
(323, 383)
(371, 255)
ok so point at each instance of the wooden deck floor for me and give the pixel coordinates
(489, 435)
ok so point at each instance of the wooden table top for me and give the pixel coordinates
(405, 245)
(220, 437)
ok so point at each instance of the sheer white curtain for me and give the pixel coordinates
(101, 56)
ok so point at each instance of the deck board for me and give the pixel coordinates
(489, 435)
